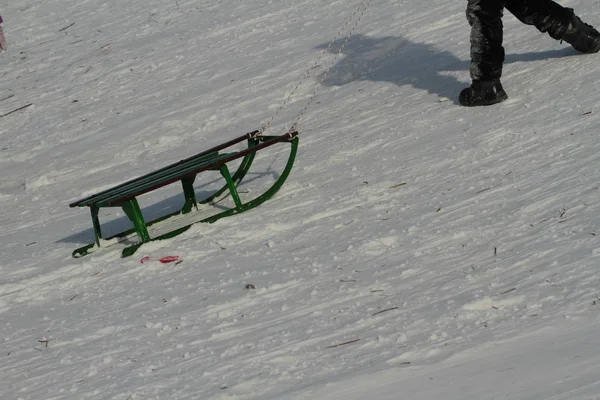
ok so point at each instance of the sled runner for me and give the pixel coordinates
(185, 171)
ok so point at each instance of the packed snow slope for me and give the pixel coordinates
(419, 250)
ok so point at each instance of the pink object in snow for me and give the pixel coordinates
(169, 259)
(164, 260)
(3, 46)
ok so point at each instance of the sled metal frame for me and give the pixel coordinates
(185, 171)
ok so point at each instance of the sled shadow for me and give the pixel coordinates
(402, 62)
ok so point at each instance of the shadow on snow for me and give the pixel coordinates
(402, 62)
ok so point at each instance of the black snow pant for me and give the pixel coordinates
(485, 18)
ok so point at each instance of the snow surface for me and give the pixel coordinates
(419, 250)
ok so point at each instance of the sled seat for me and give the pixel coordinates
(185, 171)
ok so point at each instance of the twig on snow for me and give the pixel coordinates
(509, 290)
(7, 97)
(18, 109)
(389, 309)
(66, 27)
(343, 344)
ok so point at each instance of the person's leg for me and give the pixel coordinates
(545, 15)
(487, 53)
(560, 22)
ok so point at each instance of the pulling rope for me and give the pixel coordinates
(360, 11)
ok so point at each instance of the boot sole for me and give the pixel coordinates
(487, 102)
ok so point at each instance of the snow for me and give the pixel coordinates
(418, 250)
(549, 364)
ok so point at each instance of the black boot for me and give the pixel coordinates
(581, 36)
(483, 93)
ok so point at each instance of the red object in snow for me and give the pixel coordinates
(164, 260)
(169, 259)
